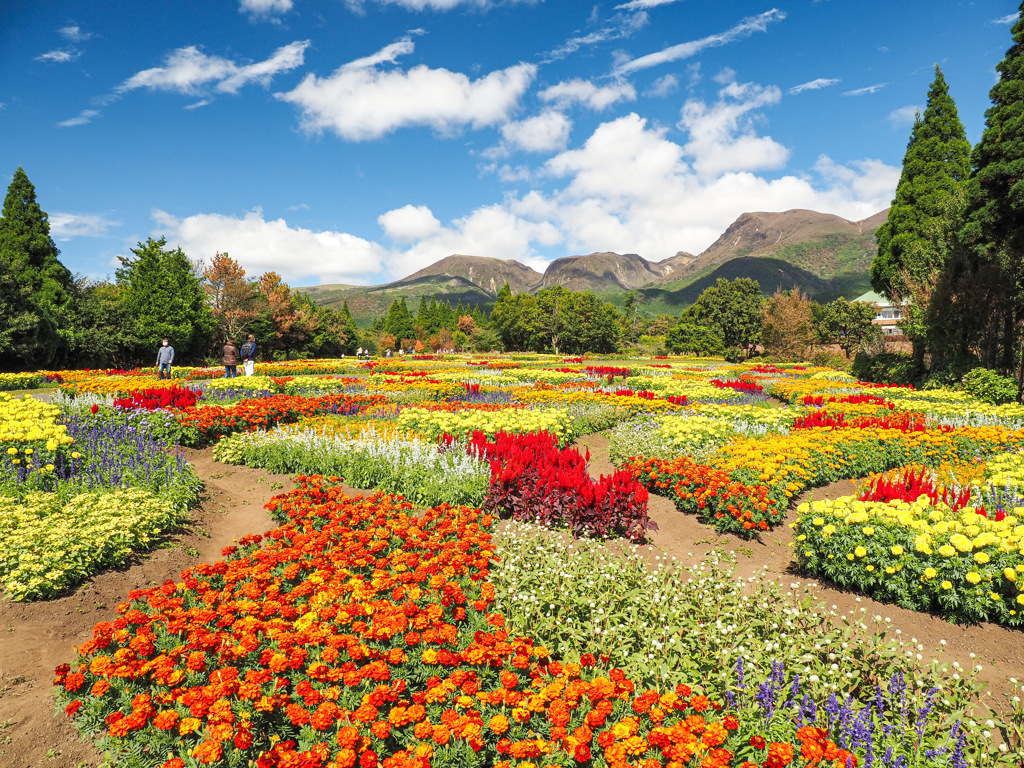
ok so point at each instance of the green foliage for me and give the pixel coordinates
(690, 339)
(989, 386)
(36, 307)
(558, 320)
(162, 297)
(993, 229)
(413, 468)
(845, 323)
(886, 368)
(670, 624)
(732, 308)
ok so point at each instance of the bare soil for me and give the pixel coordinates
(36, 637)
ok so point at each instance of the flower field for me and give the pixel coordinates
(472, 611)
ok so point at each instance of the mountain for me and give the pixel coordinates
(599, 272)
(825, 256)
(484, 272)
(832, 254)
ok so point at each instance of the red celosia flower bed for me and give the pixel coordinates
(709, 493)
(207, 423)
(909, 486)
(608, 372)
(903, 421)
(533, 480)
(359, 634)
(151, 399)
(738, 384)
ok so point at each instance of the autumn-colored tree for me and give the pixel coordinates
(291, 325)
(786, 326)
(445, 339)
(467, 325)
(231, 297)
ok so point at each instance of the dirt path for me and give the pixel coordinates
(999, 650)
(36, 637)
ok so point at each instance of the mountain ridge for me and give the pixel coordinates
(822, 254)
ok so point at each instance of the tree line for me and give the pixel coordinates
(51, 319)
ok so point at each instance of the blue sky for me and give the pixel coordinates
(359, 140)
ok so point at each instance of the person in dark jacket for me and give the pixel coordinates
(230, 359)
(249, 355)
(164, 358)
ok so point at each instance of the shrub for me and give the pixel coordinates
(687, 338)
(886, 368)
(989, 386)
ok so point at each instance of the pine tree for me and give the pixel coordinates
(994, 224)
(35, 288)
(912, 243)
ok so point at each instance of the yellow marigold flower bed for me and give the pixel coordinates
(918, 555)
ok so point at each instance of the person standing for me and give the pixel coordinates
(164, 358)
(230, 359)
(249, 355)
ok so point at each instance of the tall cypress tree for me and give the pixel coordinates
(993, 231)
(35, 288)
(912, 243)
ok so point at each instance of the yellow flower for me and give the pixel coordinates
(1009, 574)
(947, 551)
(947, 585)
(981, 557)
(868, 531)
(860, 551)
(930, 573)
(974, 577)
(897, 550)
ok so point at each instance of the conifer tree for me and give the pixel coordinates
(993, 231)
(35, 288)
(399, 322)
(912, 243)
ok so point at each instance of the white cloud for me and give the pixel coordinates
(630, 189)
(722, 135)
(74, 33)
(745, 28)
(546, 132)
(260, 246)
(85, 116)
(59, 56)
(579, 91)
(431, 5)
(638, 5)
(264, 8)
(191, 72)
(866, 90)
(1010, 18)
(813, 85)
(359, 101)
(904, 116)
(663, 86)
(409, 223)
(64, 226)
(621, 26)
